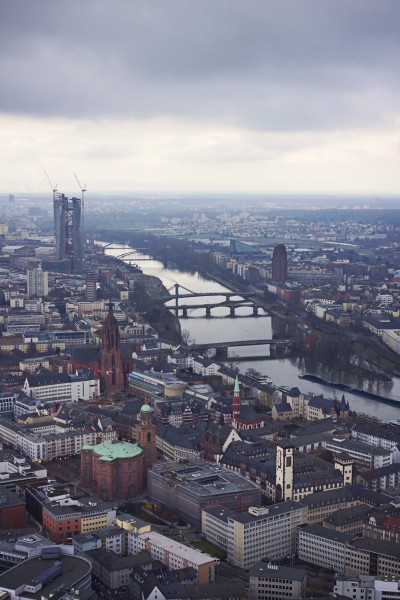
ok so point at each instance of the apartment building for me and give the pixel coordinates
(173, 554)
(67, 517)
(115, 571)
(37, 444)
(109, 538)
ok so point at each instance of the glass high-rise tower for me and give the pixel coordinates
(68, 232)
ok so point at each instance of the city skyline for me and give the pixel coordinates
(208, 97)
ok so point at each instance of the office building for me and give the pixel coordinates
(279, 263)
(68, 230)
(190, 487)
(115, 571)
(47, 386)
(37, 282)
(346, 554)
(323, 547)
(271, 582)
(261, 532)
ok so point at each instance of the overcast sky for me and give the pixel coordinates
(200, 95)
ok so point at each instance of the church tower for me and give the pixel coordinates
(110, 357)
(236, 403)
(146, 437)
(284, 471)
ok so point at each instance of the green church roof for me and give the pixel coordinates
(109, 451)
(146, 408)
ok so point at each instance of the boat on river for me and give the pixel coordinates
(264, 379)
(348, 388)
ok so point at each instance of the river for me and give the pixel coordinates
(283, 371)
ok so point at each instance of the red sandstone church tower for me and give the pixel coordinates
(110, 358)
(236, 404)
(146, 438)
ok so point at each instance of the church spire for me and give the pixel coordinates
(236, 402)
(111, 363)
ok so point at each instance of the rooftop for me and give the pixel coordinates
(109, 451)
(190, 554)
(268, 512)
(264, 569)
(74, 569)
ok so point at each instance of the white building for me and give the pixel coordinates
(173, 554)
(46, 386)
(261, 532)
(367, 587)
(322, 546)
(37, 281)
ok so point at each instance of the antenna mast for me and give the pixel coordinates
(55, 191)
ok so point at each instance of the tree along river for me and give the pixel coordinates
(284, 371)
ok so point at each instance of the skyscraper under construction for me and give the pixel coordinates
(68, 230)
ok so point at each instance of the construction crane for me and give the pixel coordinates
(53, 187)
(83, 190)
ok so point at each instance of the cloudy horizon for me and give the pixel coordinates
(220, 95)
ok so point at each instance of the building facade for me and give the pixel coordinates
(260, 533)
(271, 582)
(279, 263)
(37, 283)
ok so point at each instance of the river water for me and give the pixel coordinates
(222, 327)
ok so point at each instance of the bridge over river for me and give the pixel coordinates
(276, 345)
(181, 309)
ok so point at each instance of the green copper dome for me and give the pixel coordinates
(146, 408)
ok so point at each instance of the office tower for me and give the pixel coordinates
(68, 230)
(91, 287)
(11, 199)
(111, 363)
(279, 264)
(37, 283)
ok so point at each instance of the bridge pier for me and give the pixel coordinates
(232, 312)
(176, 300)
(255, 311)
(208, 310)
(184, 311)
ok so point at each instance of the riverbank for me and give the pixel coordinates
(148, 290)
(335, 350)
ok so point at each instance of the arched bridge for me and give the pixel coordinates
(227, 301)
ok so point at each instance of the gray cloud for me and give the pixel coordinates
(292, 65)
